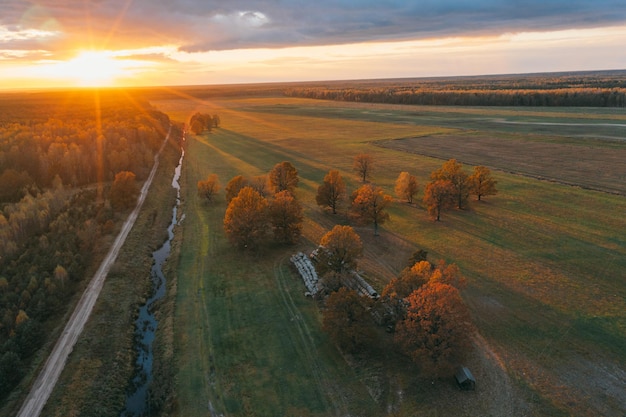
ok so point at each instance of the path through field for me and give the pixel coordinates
(45, 382)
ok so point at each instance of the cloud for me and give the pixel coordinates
(333, 22)
(206, 25)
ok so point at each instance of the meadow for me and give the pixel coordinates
(545, 262)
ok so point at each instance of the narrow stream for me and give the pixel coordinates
(146, 324)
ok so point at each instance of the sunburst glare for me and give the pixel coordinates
(90, 69)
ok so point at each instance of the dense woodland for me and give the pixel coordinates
(59, 155)
(593, 89)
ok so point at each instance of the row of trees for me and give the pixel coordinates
(587, 97)
(199, 122)
(422, 307)
(450, 186)
(253, 203)
(600, 89)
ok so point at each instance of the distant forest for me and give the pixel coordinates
(580, 89)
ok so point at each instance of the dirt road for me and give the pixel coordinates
(45, 382)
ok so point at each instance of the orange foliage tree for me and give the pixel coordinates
(331, 191)
(363, 165)
(406, 186)
(436, 333)
(234, 186)
(347, 320)
(481, 182)
(200, 122)
(439, 195)
(369, 204)
(410, 279)
(453, 171)
(124, 191)
(285, 214)
(245, 221)
(209, 188)
(284, 176)
(339, 250)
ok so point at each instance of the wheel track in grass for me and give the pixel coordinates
(332, 397)
(213, 401)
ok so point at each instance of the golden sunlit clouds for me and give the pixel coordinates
(565, 50)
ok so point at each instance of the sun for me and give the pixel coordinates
(93, 69)
(89, 69)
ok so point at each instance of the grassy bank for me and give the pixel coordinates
(543, 261)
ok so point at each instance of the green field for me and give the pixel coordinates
(545, 264)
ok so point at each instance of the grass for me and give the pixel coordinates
(544, 263)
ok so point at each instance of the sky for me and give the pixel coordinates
(68, 43)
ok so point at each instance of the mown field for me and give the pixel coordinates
(545, 264)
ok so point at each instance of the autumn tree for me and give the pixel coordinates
(124, 191)
(261, 184)
(439, 195)
(196, 127)
(363, 165)
(398, 289)
(209, 188)
(285, 215)
(453, 171)
(331, 191)
(481, 183)
(60, 276)
(234, 186)
(406, 186)
(347, 320)
(245, 222)
(409, 280)
(449, 274)
(436, 331)
(200, 122)
(339, 250)
(369, 204)
(283, 176)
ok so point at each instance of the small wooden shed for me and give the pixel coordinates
(465, 379)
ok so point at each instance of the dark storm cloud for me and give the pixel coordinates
(202, 25)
